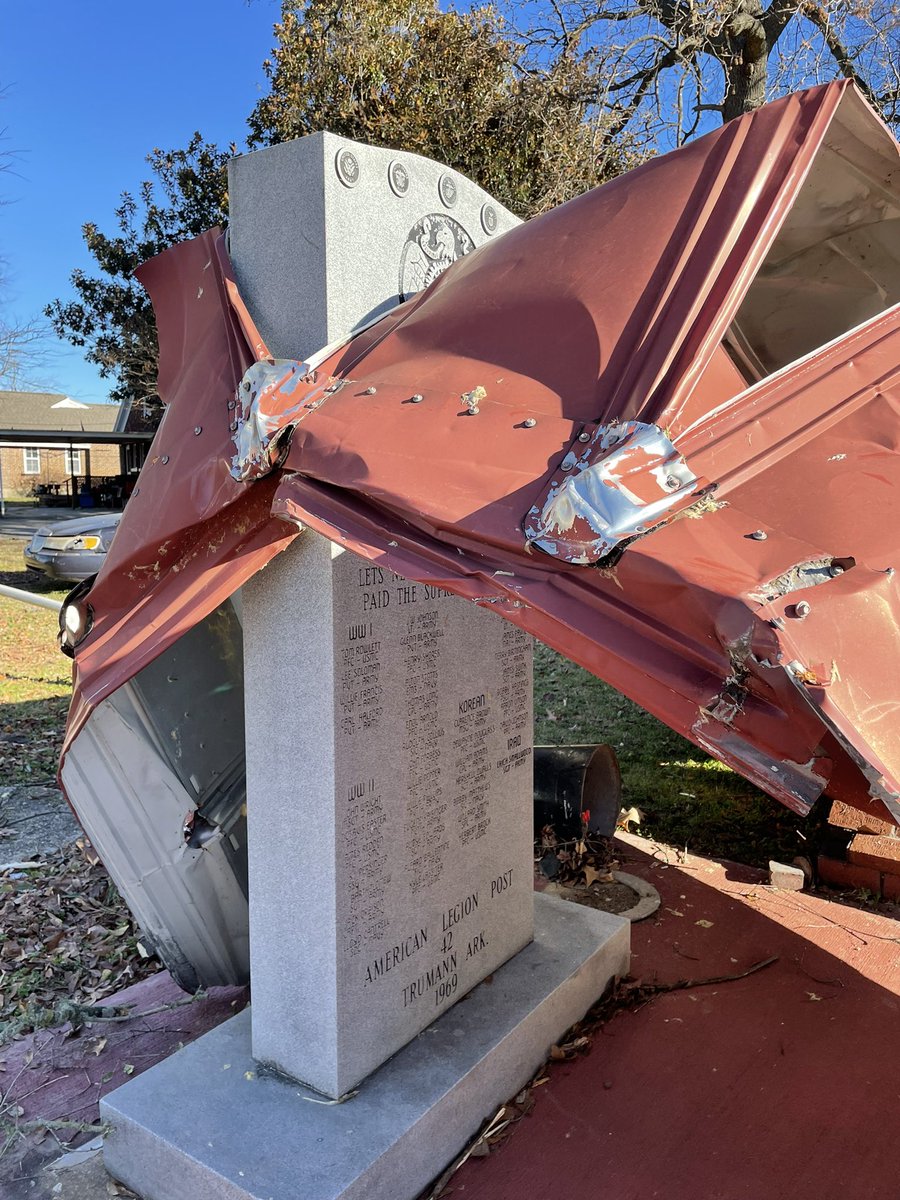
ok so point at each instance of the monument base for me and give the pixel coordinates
(204, 1124)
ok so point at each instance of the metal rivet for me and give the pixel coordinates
(672, 482)
(529, 422)
(232, 403)
(584, 436)
(198, 429)
(759, 535)
(565, 466)
(233, 426)
(802, 609)
(164, 459)
(835, 569)
(416, 399)
(370, 391)
(474, 410)
(247, 386)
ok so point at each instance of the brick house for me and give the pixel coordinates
(47, 469)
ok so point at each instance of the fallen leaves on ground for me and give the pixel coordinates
(586, 859)
(67, 937)
(31, 736)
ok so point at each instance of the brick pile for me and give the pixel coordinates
(872, 856)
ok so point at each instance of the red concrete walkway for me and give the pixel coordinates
(782, 1085)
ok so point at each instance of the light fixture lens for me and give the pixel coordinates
(74, 620)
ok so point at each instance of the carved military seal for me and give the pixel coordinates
(431, 246)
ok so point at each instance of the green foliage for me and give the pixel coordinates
(581, 94)
(452, 86)
(112, 319)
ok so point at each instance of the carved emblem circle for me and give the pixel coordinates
(447, 190)
(398, 178)
(347, 166)
(488, 218)
(432, 245)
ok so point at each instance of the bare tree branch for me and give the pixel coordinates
(24, 353)
(777, 19)
(817, 15)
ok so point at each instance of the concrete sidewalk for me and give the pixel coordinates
(774, 1086)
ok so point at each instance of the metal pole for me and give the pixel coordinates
(73, 475)
(30, 597)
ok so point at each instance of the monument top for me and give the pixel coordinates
(366, 226)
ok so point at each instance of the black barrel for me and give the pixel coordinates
(570, 780)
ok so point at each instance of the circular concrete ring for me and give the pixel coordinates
(648, 896)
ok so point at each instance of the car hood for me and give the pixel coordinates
(80, 525)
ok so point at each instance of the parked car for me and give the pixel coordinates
(72, 550)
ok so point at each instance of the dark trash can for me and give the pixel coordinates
(570, 780)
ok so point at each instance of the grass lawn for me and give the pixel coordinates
(35, 678)
(65, 935)
(688, 799)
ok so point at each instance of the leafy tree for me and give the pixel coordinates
(112, 318)
(449, 85)
(390, 72)
(582, 91)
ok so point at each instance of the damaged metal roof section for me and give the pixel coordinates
(627, 480)
(681, 471)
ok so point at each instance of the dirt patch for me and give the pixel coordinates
(608, 897)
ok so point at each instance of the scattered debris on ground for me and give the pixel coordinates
(68, 940)
(582, 869)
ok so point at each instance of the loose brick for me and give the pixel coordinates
(847, 817)
(875, 850)
(846, 874)
(791, 879)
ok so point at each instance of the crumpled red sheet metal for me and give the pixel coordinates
(609, 309)
(191, 535)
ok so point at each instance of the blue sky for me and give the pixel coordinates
(89, 89)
